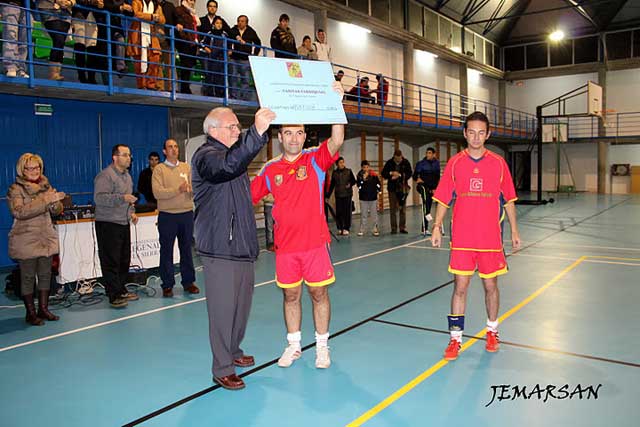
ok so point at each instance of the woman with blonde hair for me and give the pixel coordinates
(33, 240)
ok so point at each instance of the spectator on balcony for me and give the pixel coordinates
(214, 61)
(339, 75)
(382, 91)
(56, 17)
(144, 45)
(206, 21)
(245, 43)
(14, 34)
(323, 49)
(187, 42)
(307, 50)
(164, 35)
(282, 39)
(361, 92)
(85, 35)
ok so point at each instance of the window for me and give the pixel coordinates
(469, 49)
(618, 45)
(359, 5)
(479, 44)
(456, 30)
(380, 10)
(488, 53)
(585, 50)
(536, 55)
(514, 58)
(431, 25)
(415, 18)
(560, 52)
(397, 13)
(445, 32)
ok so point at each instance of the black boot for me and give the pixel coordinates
(81, 61)
(31, 317)
(43, 306)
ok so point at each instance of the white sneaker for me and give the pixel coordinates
(323, 361)
(290, 354)
(345, 232)
(11, 73)
(360, 233)
(23, 74)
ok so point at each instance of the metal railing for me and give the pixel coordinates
(175, 67)
(614, 125)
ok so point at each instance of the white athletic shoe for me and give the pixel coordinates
(290, 354)
(360, 233)
(323, 360)
(345, 232)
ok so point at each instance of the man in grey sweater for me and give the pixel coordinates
(114, 210)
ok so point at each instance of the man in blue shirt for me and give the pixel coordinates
(427, 177)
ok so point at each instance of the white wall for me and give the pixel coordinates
(623, 90)
(581, 159)
(528, 94)
(622, 154)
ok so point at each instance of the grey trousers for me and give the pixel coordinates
(30, 269)
(229, 290)
(368, 207)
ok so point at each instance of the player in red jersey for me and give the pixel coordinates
(301, 236)
(479, 184)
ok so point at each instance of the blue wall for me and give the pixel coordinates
(69, 143)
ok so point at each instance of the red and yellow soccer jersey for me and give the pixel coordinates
(478, 188)
(298, 194)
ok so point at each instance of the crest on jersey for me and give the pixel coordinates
(278, 180)
(301, 173)
(476, 170)
(475, 184)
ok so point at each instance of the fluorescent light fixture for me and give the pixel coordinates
(556, 36)
(355, 28)
(425, 57)
(476, 72)
(353, 34)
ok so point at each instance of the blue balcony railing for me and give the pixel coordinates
(195, 66)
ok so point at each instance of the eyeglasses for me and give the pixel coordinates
(32, 168)
(237, 126)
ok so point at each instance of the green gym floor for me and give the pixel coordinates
(569, 327)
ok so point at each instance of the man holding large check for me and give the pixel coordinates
(299, 92)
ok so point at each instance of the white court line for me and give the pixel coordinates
(181, 304)
(585, 246)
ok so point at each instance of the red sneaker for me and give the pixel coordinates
(493, 342)
(452, 350)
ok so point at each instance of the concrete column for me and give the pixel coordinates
(380, 166)
(320, 21)
(603, 147)
(363, 146)
(502, 101)
(410, 94)
(464, 90)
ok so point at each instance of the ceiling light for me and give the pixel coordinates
(556, 36)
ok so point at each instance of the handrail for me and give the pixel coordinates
(230, 80)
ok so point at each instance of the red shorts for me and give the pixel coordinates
(488, 264)
(313, 266)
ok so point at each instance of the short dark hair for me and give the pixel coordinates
(153, 154)
(284, 125)
(339, 158)
(364, 163)
(477, 116)
(217, 18)
(283, 17)
(116, 149)
(340, 72)
(305, 38)
(242, 16)
(320, 30)
(433, 150)
(397, 153)
(212, 1)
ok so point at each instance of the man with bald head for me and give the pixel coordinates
(171, 184)
(225, 231)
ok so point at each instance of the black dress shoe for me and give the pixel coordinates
(244, 361)
(230, 382)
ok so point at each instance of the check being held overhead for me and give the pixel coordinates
(297, 91)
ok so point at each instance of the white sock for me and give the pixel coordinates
(457, 335)
(492, 326)
(322, 340)
(294, 339)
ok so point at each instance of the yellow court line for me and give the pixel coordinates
(612, 257)
(435, 368)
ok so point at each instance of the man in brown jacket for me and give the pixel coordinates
(171, 184)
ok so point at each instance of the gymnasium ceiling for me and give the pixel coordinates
(509, 22)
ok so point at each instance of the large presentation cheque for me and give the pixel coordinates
(298, 91)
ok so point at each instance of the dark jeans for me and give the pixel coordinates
(427, 203)
(58, 32)
(343, 213)
(171, 226)
(114, 250)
